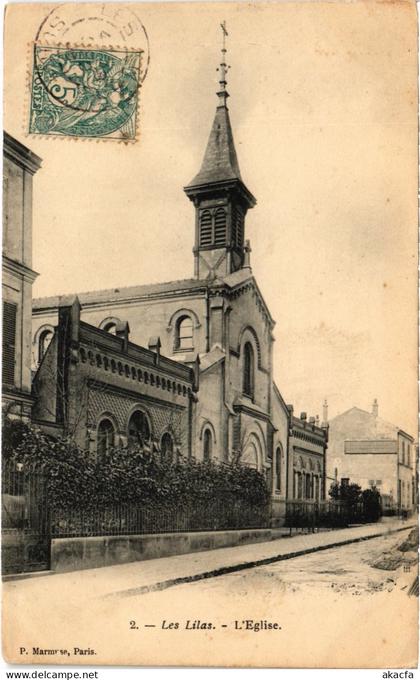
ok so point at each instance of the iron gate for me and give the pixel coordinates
(25, 522)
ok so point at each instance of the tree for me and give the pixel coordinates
(372, 506)
(349, 493)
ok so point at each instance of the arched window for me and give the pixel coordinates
(167, 448)
(299, 485)
(106, 436)
(138, 429)
(43, 343)
(248, 370)
(316, 488)
(307, 485)
(278, 469)
(207, 445)
(184, 333)
(250, 456)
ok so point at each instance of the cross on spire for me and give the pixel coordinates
(223, 68)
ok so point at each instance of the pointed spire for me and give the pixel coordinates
(220, 162)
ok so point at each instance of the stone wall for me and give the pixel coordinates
(72, 554)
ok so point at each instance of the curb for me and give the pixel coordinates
(221, 571)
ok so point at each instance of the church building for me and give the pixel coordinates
(216, 322)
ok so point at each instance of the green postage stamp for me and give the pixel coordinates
(85, 92)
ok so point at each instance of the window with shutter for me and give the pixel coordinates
(206, 236)
(239, 229)
(9, 342)
(233, 222)
(220, 227)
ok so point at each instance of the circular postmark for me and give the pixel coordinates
(89, 62)
(104, 25)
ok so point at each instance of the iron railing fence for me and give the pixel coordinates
(25, 544)
(310, 514)
(210, 515)
(24, 497)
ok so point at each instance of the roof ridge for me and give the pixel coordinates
(116, 289)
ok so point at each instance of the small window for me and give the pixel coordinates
(106, 435)
(278, 469)
(184, 333)
(207, 445)
(167, 448)
(345, 481)
(110, 327)
(248, 370)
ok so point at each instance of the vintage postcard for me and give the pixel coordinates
(209, 369)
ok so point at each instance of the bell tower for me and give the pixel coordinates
(220, 197)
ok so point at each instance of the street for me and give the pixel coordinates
(334, 603)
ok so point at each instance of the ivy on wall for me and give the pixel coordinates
(75, 480)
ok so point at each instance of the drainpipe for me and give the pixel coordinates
(207, 320)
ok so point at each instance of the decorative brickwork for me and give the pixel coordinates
(162, 418)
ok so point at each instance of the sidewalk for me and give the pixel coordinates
(136, 578)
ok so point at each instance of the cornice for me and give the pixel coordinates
(20, 154)
(19, 268)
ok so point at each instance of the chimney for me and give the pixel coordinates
(375, 408)
(122, 330)
(303, 416)
(325, 412)
(317, 421)
(155, 345)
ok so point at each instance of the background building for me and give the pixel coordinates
(307, 458)
(369, 451)
(19, 166)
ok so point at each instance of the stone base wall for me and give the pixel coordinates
(72, 554)
(278, 511)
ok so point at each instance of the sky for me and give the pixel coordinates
(323, 105)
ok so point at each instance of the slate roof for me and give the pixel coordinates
(130, 292)
(115, 294)
(220, 162)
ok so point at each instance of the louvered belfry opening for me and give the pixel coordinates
(237, 227)
(9, 342)
(213, 228)
(220, 227)
(206, 228)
